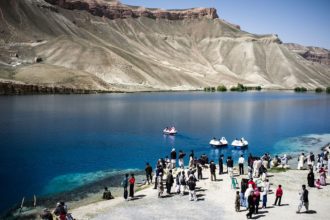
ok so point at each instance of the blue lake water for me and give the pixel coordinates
(54, 143)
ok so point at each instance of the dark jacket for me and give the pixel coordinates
(169, 179)
(305, 195)
(181, 155)
(230, 163)
(173, 155)
(191, 184)
(148, 169)
(212, 168)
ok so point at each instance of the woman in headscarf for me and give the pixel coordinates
(310, 178)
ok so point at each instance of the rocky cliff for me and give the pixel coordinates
(314, 54)
(106, 46)
(115, 10)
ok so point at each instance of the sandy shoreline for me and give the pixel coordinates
(216, 201)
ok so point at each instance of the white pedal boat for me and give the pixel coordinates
(170, 131)
(218, 143)
(240, 143)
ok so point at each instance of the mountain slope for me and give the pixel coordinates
(129, 48)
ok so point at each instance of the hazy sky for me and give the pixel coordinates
(306, 22)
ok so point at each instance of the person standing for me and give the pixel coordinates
(256, 200)
(157, 171)
(177, 181)
(148, 170)
(310, 178)
(221, 164)
(303, 199)
(124, 184)
(192, 186)
(237, 202)
(241, 165)
(173, 158)
(181, 161)
(212, 170)
(230, 165)
(265, 193)
(279, 194)
(169, 182)
(251, 205)
(183, 183)
(199, 171)
(131, 185)
(301, 161)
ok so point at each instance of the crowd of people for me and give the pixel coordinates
(254, 186)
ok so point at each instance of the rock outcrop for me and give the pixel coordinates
(314, 54)
(116, 10)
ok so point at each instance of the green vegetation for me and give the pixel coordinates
(278, 169)
(239, 88)
(221, 88)
(328, 89)
(318, 90)
(300, 89)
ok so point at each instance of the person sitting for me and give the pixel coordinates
(318, 184)
(46, 215)
(107, 194)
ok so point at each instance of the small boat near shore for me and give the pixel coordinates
(240, 143)
(170, 131)
(218, 143)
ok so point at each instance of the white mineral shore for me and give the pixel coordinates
(216, 201)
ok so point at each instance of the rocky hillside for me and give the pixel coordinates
(106, 46)
(314, 54)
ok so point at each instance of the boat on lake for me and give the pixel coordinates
(218, 143)
(170, 131)
(240, 143)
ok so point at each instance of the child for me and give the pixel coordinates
(279, 193)
(237, 202)
(318, 184)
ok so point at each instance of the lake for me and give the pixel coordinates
(54, 143)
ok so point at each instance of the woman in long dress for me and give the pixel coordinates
(323, 177)
(310, 178)
(301, 161)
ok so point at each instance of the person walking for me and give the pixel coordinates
(148, 170)
(212, 170)
(221, 164)
(303, 199)
(169, 182)
(173, 158)
(181, 161)
(241, 165)
(192, 186)
(131, 186)
(279, 194)
(124, 184)
(251, 205)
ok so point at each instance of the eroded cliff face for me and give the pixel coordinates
(314, 54)
(105, 46)
(115, 10)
